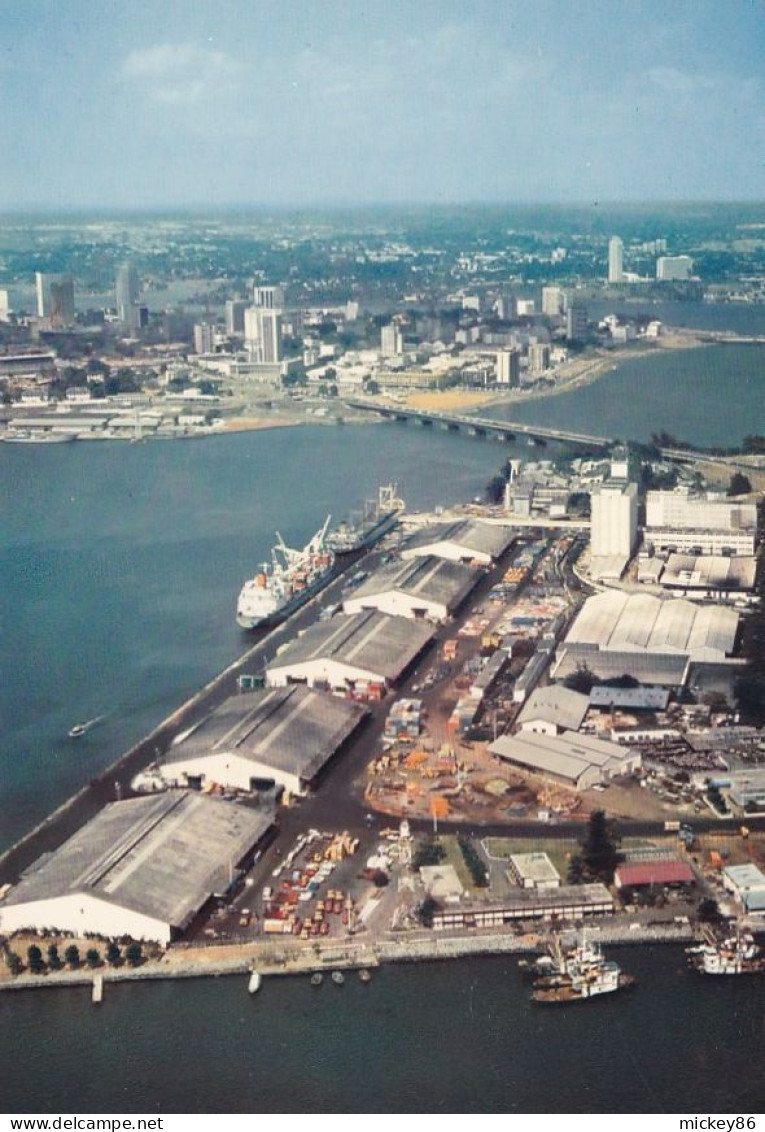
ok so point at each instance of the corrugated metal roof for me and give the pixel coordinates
(371, 641)
(469, 535)
(432, 579)
(653, 872)
(161, 856)
(557, 705)
(293, 729)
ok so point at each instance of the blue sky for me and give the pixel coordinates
(191, 102)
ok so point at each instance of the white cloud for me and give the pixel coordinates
(179, 73)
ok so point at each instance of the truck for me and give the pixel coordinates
(671, 826)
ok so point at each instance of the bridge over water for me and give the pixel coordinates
(480, 426)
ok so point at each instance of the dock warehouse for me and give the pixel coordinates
(256, 740)
(344, 653)
(466, 540)
(621, 622)
(578, 761)
(141, 868)
(663, 669)
(431, 588)
(569, 902)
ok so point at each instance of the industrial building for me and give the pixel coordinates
(578, 761)
(621, 622)
(610, 696)
(141, 868)
(368, 650)
(464, 541)
(651, 873)
(709, 576)
(613, 528)
(747, 883)
(431, 588)
(677, 521)
(747, 788)
(569, 902)
(533, 870)
(553, 709)
(663, 669)
(257, 740)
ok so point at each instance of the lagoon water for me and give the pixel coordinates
(120, 567)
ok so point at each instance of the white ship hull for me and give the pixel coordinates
(247, 618)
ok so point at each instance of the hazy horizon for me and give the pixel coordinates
(237, 105)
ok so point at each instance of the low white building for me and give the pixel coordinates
(345, 653)
(257, 740)
(141, 868)
(430, 588)
(533, 870)
(466, 540)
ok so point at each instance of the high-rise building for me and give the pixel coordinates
(674, 267)
(552, 301)
(204, 338)
(576, 321)
(539, 358)
(138, 318)
(508, 367)
(55, 297)
(269, 336)
(235, 309)
(128, 289)
(5, 306)
(391, 341)
(615, 256)
(613, 522)
(269, 298)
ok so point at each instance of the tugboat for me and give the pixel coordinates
(579, 973)
(737, 954)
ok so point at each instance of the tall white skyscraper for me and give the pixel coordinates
(269, 298)
(552, 301)
(613, 522)
(4, 306)
(615, 256)
(270, 336)
(128, 289)
(508, 367)
(391, 341)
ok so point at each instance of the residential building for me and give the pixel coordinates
(508, 367)
(55, 298)
(391, 341)
(674, 267)
(615, 256)
(127, 289)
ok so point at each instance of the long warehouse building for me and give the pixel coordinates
(258, 740)
(467, 540)
(429, 588)
(363, 651)
(620, 622)
(142, 868)
(578, 761)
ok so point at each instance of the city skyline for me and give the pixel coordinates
(167, 107)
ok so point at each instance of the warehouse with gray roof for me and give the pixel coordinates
(579, 761)
(621, 622)
(257, 740)
(553, 709)
(431, 588)
(466, 540)
(368, 648)
(142, 868)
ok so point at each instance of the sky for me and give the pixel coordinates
(186, 103)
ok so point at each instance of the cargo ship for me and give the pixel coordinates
(735, 955)
(363, 529)
(287, 582)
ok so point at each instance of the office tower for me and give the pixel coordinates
(55, 297)
(138, 318)
(615, 254)
(576, 321)
(539, 358)
(4, 306)
(552, 301)
(674, 267)
(391, 341)
(204, 338)
(508, 367)
(127, 289)
(269, 324)
(269, 298)
(235, 309)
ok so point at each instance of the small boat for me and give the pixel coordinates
(317, 979)
(83, 728)
(338, 978)
(365, 976)
(255, 981)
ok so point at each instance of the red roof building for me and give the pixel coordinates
(644, 873)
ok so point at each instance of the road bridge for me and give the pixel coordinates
(481, 426)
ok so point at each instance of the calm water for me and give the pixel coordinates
(713, 395)
(120, 567)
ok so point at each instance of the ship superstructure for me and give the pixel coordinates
(736, 954)
(286, 582)
(361, 529)
(578, 973)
